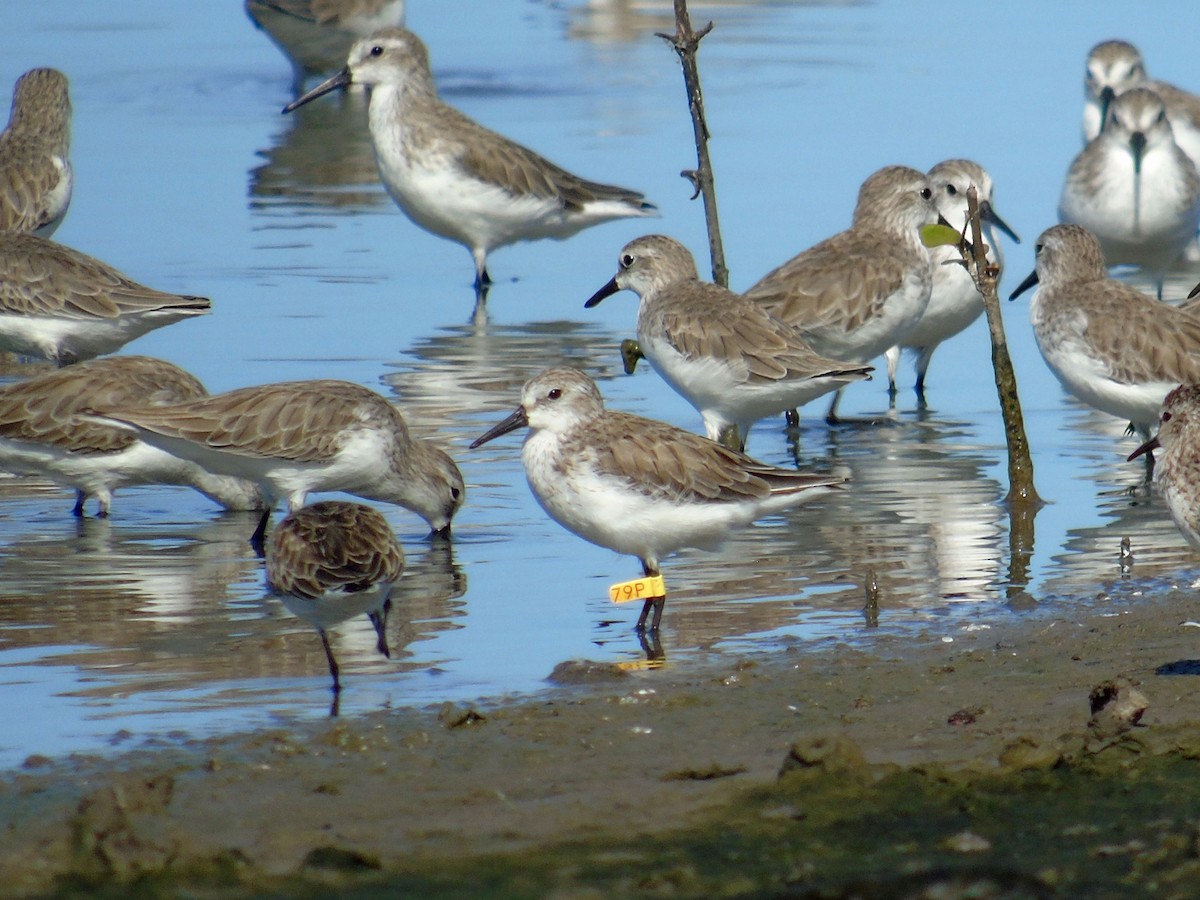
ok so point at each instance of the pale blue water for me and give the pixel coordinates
(188, 178)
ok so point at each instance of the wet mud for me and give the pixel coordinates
(1051, 753)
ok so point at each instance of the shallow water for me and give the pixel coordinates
(188, 178)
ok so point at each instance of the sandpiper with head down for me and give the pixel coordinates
(728, 356)
(45, 431)
(332, 561)
(452, 176)
(294, 438)
(638, 486)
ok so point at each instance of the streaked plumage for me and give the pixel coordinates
(331, 561)
(726, 355)
(635, 485)
(954, 301)
(1177, 465)
(1111, 346)
(35, 165)
(65, 306)
(858, 293)
(44, 432)
(1134, 188)
(452, 176)
(298, 437)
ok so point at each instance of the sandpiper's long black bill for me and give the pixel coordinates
(1148, 447)
(1193, 292)
(517, 420)
(341, 79)
(607, 291)
(1106, 98)
(987, 214)
(1024, 285)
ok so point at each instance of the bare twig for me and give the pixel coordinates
(686, 41)
(1022, 499)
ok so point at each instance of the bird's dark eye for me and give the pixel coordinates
(554, 393)
(626, 260)
(926, 193)
(1166, 417)
(1038, 249)
(951, 190)
(454, 492)
(377, 50)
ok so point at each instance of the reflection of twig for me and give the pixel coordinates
(1023, 499)
(685, 41)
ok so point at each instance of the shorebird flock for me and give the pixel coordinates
(812, 326)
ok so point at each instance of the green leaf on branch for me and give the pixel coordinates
(940, 236)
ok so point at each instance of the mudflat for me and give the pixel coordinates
(1047, 752)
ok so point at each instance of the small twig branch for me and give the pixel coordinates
(686, 41)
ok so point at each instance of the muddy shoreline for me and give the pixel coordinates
(907, 761)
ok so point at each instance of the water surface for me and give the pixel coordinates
(188, 178)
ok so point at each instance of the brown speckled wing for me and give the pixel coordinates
(27, 178)
(1146, 339)
(493, 158)
(712, 322)
(840, 283)
(45, 278)
(46, 409)
(671, 464)
(333, 545)
(300, 420)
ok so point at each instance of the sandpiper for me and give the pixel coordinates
(1114, 67)
(452, 176)
(726, 355)
(316, 35)
(1177, 468)
(1134, 188)
(332, 561)
(293, 438)
(858, 293)
(1113, 347)
(954, 301)
(65, 306)
(635, 485)
(35, 170)
(44, 431)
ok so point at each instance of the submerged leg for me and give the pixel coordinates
(482, 279)
(479, 315)
(77, 509)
